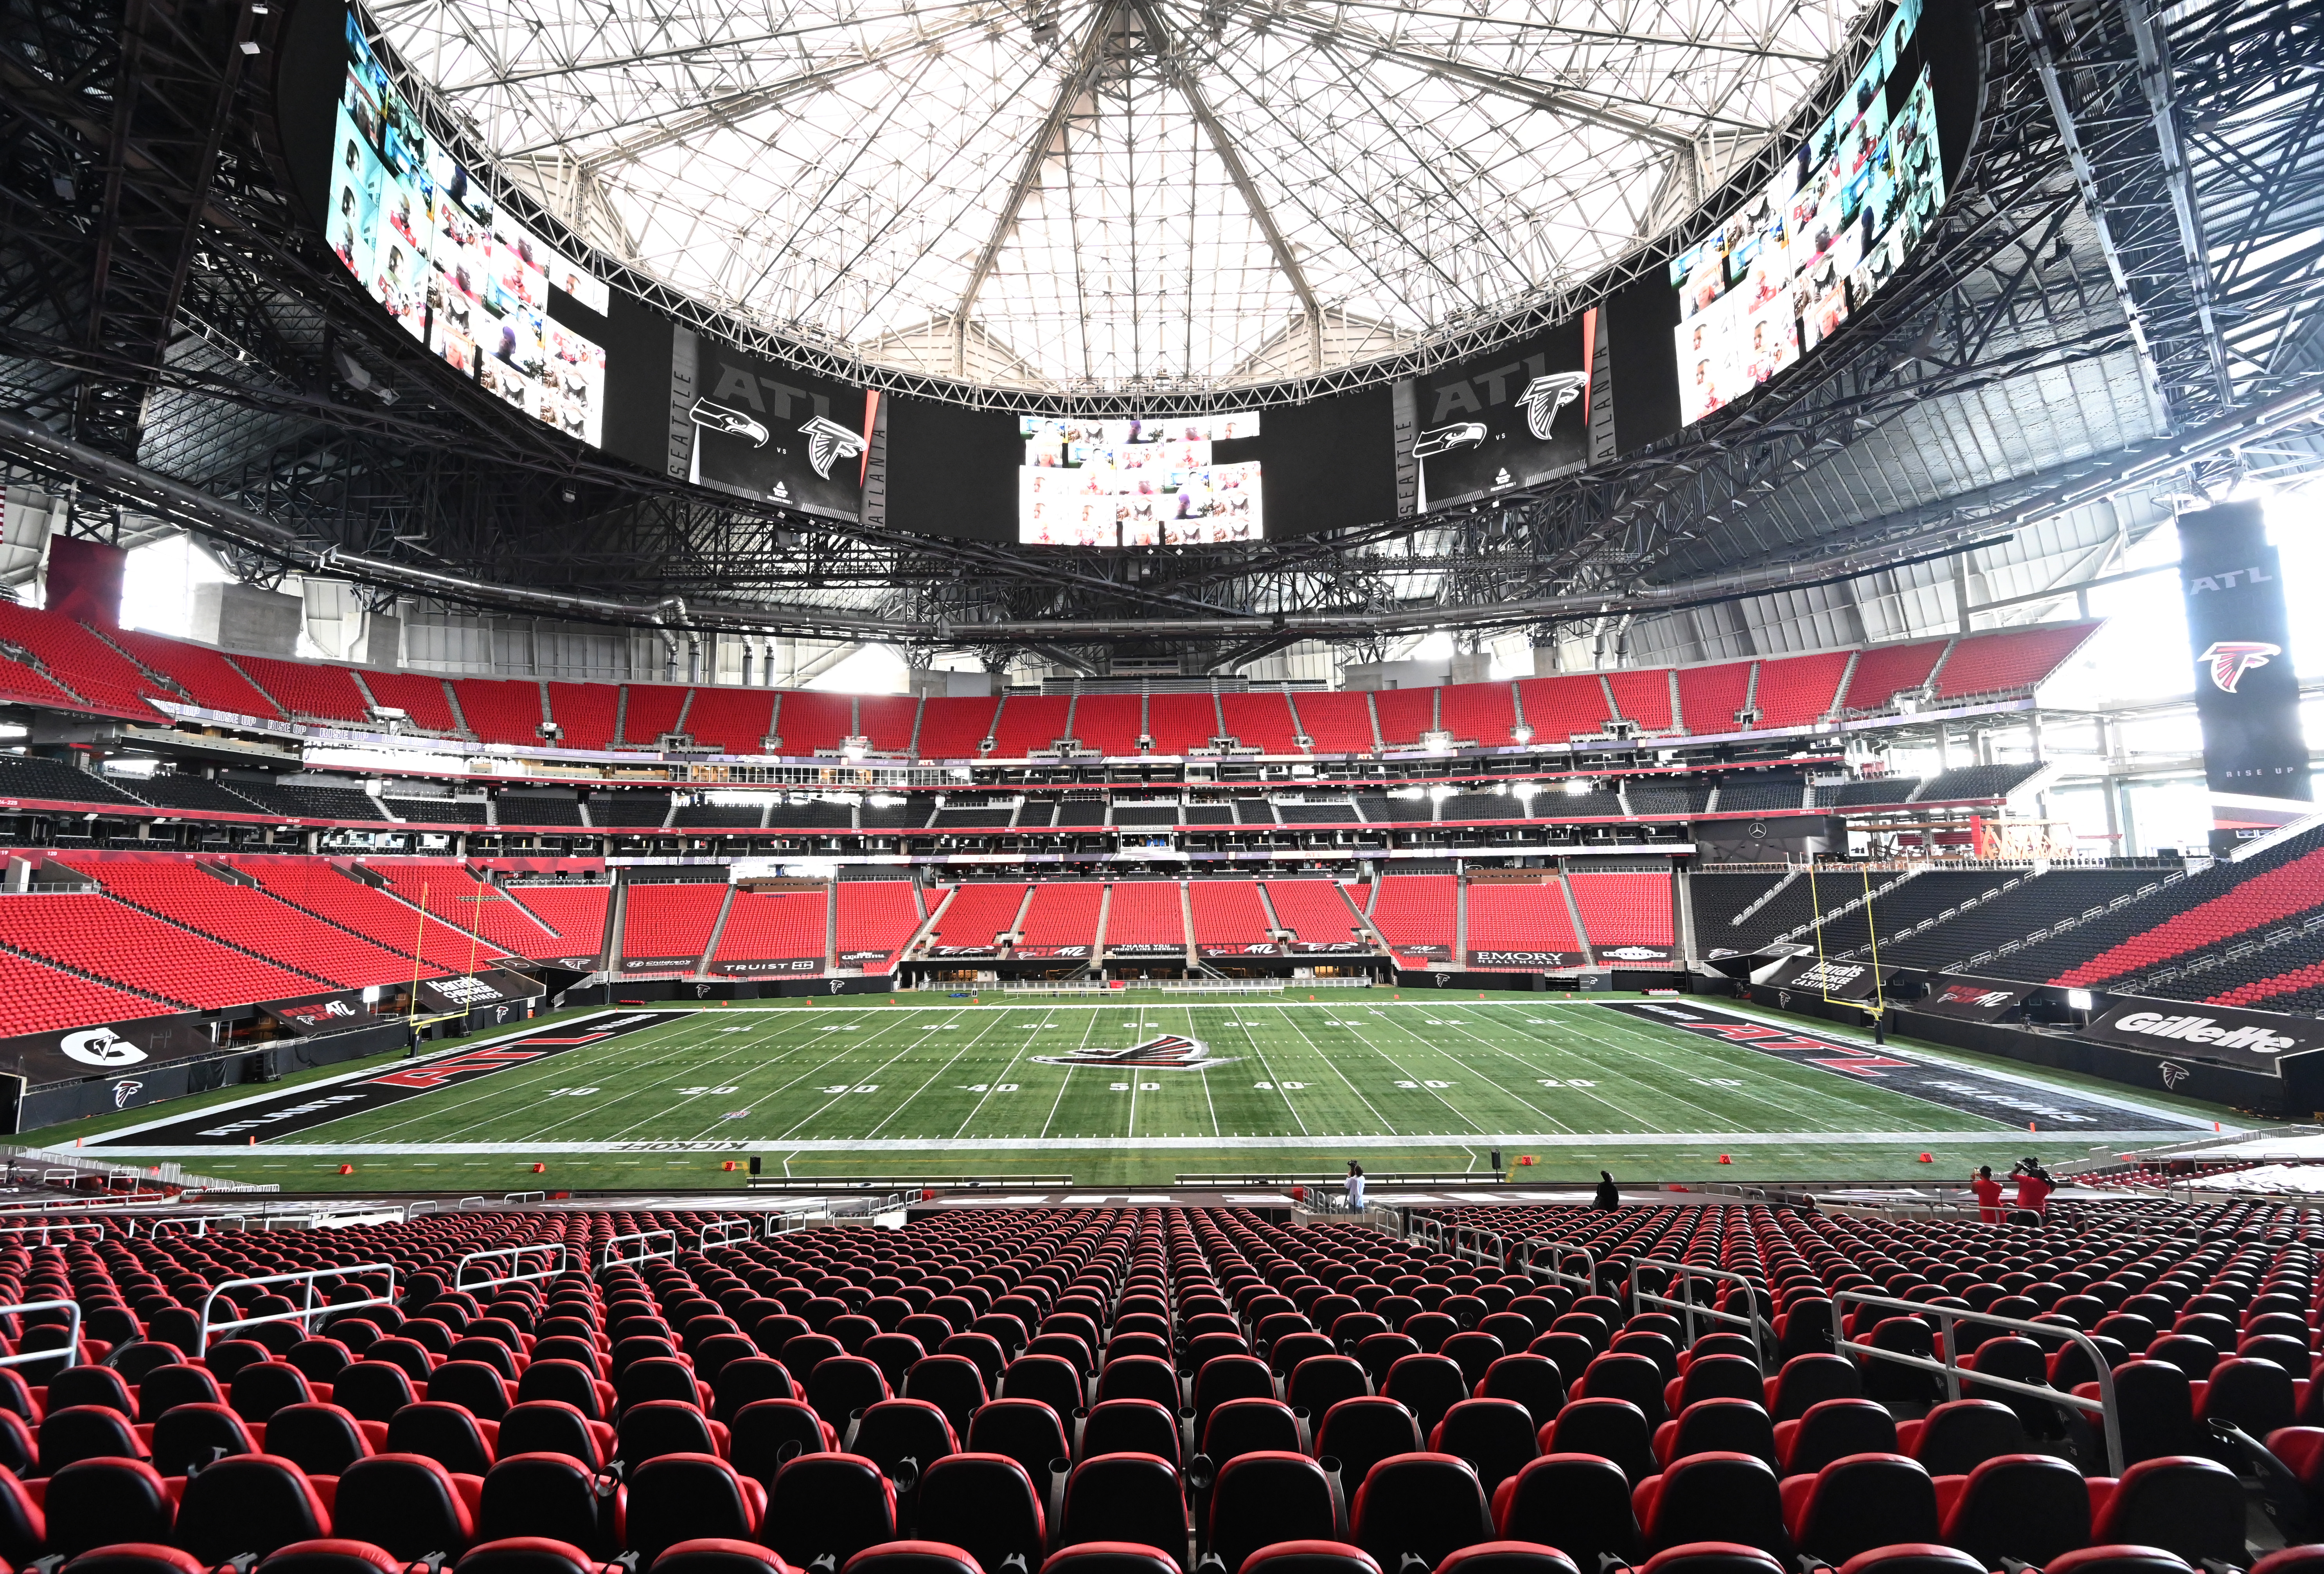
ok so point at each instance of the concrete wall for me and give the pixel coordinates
(242, 617)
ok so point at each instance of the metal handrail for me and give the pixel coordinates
(1429, 1231)
(1528, 1262)
(728, 1231)
(644, 1252)
(1762, 1332)
(71, 1352)
(516, 1255)
(64, 1226)
(299, 1315)
(2109, 1414)
(1468, 1243)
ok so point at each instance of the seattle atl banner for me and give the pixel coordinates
(2247, 694)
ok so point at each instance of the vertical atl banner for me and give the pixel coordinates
(2254, 756)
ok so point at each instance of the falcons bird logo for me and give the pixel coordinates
(2231, 658)
(1544, 397)
(1166, 1052)
(828, 441)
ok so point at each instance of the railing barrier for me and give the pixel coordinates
(643, 1250)
(1762, 1332)
(726, 1232)
(1471, 1244)
(1948, 1317)
(61, 1226)
(561, 1255)
(300, 1315)
(1560, 1253)
(69, 1354)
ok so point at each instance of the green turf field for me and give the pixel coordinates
(1264, 1085)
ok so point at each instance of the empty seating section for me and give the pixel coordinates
(422, 698)
(576, 913)
(886, 721)
(1708, 696)
(97, 935)
(1568, 705)
(209, 676)
(1759, 792)
(775, 926)
(649, 710)
(1083, 1357)
(1631, 908)
(666, 928)
(20, 682)
(1885, 671)
(1644, 697)
(1062, 917)
(35, 998)
(1796, 691)
(1507, 916)
(1404, 714)
(1479, 713)
(559, 808)
(319, 886)
(954, 727)
(1260, 721)
(1143, 913)
(1315, 911)
(1029, 722)
(975, 914)
(1227, 913)
(445, 887)
(1977, 781)
(808, 722)
(2003, 907)
(25, 776)
(310, 689)
(184, 892)
(1339, 723)
(2010, 662)
(179, 790)
(499, 710)
(435, 811)
(738, 720)
(304, 801)
(1418, 910)
(2249, 907)
(1110, 723)
(585, 714)
(877, 918)
(81, 660)
(1181, 722)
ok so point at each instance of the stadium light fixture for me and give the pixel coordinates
(2079, 1000)
(1437, 795)
(1521, 732)
(1575, 787)
(1524, 789)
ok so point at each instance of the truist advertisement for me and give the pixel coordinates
(2247, 692)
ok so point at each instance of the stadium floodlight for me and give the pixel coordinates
(2079, 1000)
(1523, 789)
(1409, 793)
(1576, 786)
(1439, 794)
(1521, 732)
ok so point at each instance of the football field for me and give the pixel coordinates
(1142, 1091)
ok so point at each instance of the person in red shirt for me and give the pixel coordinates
(2033, 1185)
(1988, 1194)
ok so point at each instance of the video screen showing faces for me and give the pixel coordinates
(1146, 480)
(430, 245)
(1829, 230)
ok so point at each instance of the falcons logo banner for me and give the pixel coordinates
(1544, 397)
(1170, 1051)
(2231, 658)
(827, 442)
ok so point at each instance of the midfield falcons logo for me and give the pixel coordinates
(828, 441)
(2231, 658)
(1169, 1052)
(1544, 397)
